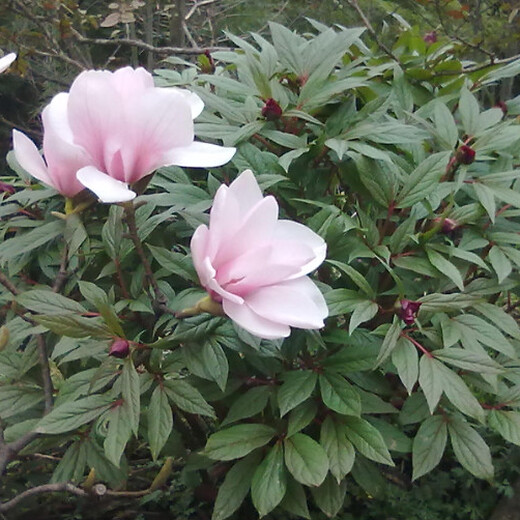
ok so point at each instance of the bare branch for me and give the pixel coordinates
(48, 388)
(38, 490)
(196, 5)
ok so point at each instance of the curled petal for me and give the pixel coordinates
(200, 155)
(298, 303)
(246, 191)
(196, 104)
(105, 187)
(253, 323)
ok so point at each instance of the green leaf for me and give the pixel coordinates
(420, 182)
(301, 417)
(269, 482)
(27, 242)
(367, 440)
(406, 360)
(305, 459)
(339, 450)
(486, 197)
(71, 467)
(112, 232)
(118, 434)
(363, 312)
(297, 387)
(355, 276)
(73, 414)
(500, 318)
(235, 487)
(468, 360)
(470, 449)
(236, 441)
(208, 361)
(74, 326)
(430, 381)
(175, 263)
(329, 497)
(130, 390)
(469, 111)
(339, 395)
(428, 445)
(506, 423)
(479, 329)
(160, 421)
(48, 302)
(445, 267)
(295, 500)
(187, 398)
(390, 341)
(17, 399)
(501, 264)
(445, 125)
(248, 405)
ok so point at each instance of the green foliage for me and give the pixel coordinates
(367, 153)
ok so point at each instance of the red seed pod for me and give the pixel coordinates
(120, 348)
(272, 110)
(430, 37)
(6, 188)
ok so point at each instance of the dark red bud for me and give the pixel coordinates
(430, 37)
(6, 188)
(272, 110)
(120, 348)
(502, 106)
(409, 310)
(465, 154)
(448, 225)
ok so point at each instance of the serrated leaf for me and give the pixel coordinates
(208, 361)
(339, 395)
(363, 312)
(48, 302)
(468, 360)
(298, 385)
(73, 414)
(269, 483)
(237, 441)
(305, 459)
(470, 449)
(187, 398)
(428, 445)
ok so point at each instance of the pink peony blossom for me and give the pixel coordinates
(255, 264)
(5, 61)
(117, 127)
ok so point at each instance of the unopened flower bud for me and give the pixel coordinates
(408, 311)
(430, 37)
(465, 154)
(448, 225)
(120, 348)
(272, 110)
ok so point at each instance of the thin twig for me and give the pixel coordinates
(48, 388)
(354, 4)
(8, 284)
(61, 277)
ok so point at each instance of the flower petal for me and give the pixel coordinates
(196, 104)
(105, 187)
(246, 190)
(253, 323)
(298, 303)
(199, 246)
(200, 155)
(29, 158)
(288, 232)
(6, 61)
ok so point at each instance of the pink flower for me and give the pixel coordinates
(255, 264)
(119, 128)
(5, 61)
